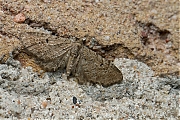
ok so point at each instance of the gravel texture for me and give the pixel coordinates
(24, 95)
(145, 30)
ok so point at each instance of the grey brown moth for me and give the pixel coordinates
(52, 53)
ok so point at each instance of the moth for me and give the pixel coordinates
(52, 52)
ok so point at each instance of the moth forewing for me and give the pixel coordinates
(93, 68)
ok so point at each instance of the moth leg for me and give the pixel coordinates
(69, 65)
(74, 65)
(73, 56)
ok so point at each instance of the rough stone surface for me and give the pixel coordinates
(140, 96)
(146, 32)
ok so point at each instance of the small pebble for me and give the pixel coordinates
(19, 18)
(48, 99)
(44, 104)
(18, 102)
(74, 100)
(106, 38)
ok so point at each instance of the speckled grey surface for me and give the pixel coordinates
(141, 95)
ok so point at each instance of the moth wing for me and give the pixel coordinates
(49, 51)
(93, 68)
